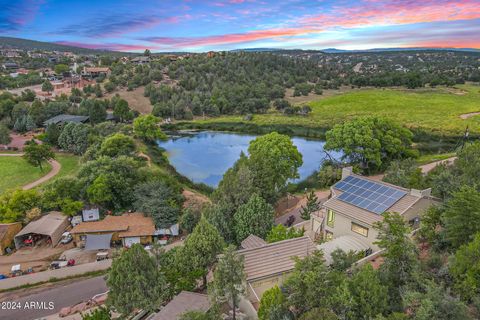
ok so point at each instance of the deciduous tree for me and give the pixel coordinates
(146, 127)
(36, 154)
(370, 141)
(273, 160)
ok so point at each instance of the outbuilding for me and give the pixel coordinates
(50, 226)
(7, 233)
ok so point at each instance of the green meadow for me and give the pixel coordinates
(433, 110)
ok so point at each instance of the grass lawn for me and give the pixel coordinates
(428, 158)
(435, 110)
(70, 166)
(16, 172)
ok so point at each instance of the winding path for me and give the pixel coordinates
(56, 166)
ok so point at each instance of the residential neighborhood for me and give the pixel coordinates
(240, 160)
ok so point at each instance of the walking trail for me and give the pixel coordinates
(56, 166)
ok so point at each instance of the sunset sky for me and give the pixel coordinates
(191, 25)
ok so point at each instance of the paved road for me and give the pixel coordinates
(61, 297)
(56, 166)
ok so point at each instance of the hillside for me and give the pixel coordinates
(25, 44)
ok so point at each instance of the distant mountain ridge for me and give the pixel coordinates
(26, 44)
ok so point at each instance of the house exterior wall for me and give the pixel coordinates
(7, 240)
(343, 226)
(262, 285)
(419, 208)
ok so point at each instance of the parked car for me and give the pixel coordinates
(2, 276)
(66, 238)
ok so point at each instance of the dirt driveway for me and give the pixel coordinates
(38, 258)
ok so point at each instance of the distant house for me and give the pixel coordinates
(141, 60)
(10, 66)
(182, 303)
(94, 72)
(49, 227)
(270, 264)
(357, 203)
(126, 229)
(7, 233)
(65, 118)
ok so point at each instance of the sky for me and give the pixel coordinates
(204, 25)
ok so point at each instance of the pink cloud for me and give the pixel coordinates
(228, 38)
(108, 46)
(396, 12)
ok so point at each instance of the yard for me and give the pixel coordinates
(16, 172)
(435, 110)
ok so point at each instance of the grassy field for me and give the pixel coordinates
(435, 111)
(70, 165)
(16, 172)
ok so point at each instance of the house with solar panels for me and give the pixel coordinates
(357, 202)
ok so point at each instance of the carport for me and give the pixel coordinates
(51, 225)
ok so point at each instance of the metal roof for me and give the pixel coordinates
(65, 118)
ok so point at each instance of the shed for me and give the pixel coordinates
(91, 214)
(346, 243)
(51, 225)
(173, 230)
(7, 233)
(183, 303)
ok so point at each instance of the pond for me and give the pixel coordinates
(205, 156)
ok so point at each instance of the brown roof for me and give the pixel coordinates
(275, 258)
(128, 225)
(182, 303)
(252, 241)
(4, 228)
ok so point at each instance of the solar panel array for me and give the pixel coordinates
(371, 196)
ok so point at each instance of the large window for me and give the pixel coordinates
(359, 229)
(330, 218)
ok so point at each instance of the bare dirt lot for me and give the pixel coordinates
(135, 99)
(38, 258)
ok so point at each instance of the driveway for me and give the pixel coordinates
(59, 297)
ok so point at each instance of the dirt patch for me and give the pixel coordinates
(194, 199)
(469, 115)
(315, 97)
(135, 99)
(38, 258)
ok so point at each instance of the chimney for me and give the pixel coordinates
(347, 171)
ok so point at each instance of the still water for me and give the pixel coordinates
(205, 156)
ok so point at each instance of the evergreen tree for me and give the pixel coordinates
(201, 248)
(254, 217)
(229, 279)
(135, 282)
(312, 206)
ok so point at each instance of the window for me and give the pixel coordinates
(328, 236)
(359, 229)
(330, 218)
